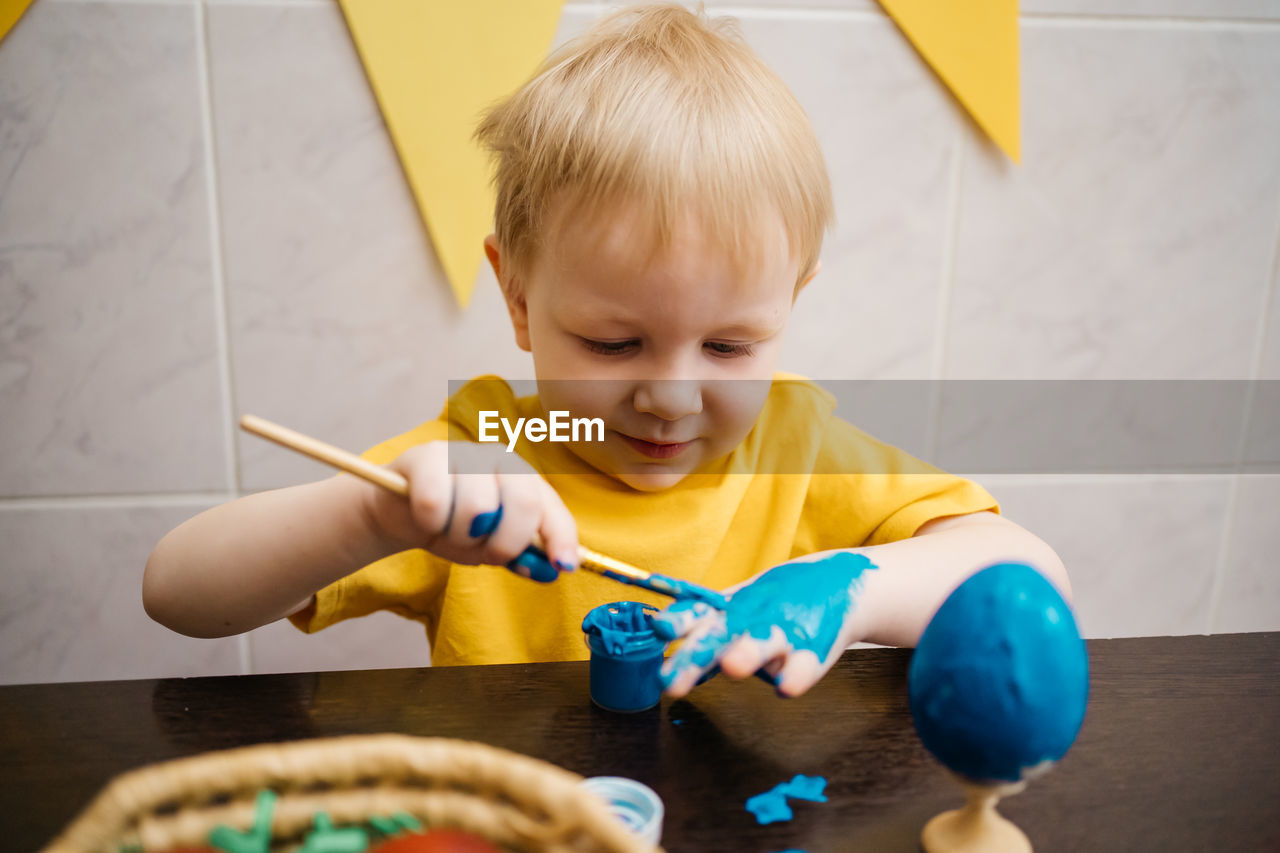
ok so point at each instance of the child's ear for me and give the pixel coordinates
(512, 292)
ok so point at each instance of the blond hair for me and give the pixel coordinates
(666, 111)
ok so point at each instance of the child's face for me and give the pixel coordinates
(674, 352)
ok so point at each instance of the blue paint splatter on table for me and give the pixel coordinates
(772, 806)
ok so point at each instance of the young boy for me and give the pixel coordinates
(661, 203)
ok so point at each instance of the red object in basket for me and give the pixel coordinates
(438, 841)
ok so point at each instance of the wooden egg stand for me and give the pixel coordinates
(977, 826)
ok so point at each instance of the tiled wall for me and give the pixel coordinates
(201, 215)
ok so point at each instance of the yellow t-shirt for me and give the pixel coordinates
(714, 529)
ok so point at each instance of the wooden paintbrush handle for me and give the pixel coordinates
(393, 482)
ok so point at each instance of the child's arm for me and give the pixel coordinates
(796, 619)
(919, 573)
(262, 557)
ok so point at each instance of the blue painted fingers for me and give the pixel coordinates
(532, 562)
(678, 619)
(795, 612)
(485, 523)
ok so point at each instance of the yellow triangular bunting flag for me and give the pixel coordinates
(434, 67)
(973, 46)
(10, 12)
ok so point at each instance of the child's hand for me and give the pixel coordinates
(794, 621)
(478, 518)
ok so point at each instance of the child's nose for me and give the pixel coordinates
(669, 399)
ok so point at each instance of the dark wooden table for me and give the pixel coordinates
(1180, 749)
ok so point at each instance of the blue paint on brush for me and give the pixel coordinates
(1000, 678)
(678, 589)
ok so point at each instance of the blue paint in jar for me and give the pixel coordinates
(626, 654)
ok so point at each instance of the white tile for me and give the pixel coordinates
(888, 132)
(1092, 426)
(1263, 448)
(1140, 552)
(378, 641)
(343, 324)
(1250, 596)
(1262, 444)
(1269, 367)
(1136, 238)
(108, 370)
(1256, 9)
(72, 604)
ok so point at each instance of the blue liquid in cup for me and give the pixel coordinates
(625, 656)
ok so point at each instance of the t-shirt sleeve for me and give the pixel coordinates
(865, 492)
(410, 583)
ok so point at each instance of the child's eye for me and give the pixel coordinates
(723, 350)
(609, 347)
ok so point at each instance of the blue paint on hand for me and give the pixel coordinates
(485, 523)
(676, 620)
(808, 601)
(1000, 678)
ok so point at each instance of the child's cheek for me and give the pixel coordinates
(736, 404)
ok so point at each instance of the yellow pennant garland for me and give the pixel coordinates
(10, 12)
(973, 47)
(434, 67)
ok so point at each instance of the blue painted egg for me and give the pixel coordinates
(1000, 678)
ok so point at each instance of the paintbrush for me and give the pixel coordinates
(392, 481)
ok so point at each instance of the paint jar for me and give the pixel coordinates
(636, 805)
(625, 656)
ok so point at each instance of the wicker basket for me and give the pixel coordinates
(516, 802)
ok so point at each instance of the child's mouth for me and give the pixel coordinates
(656, 449)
